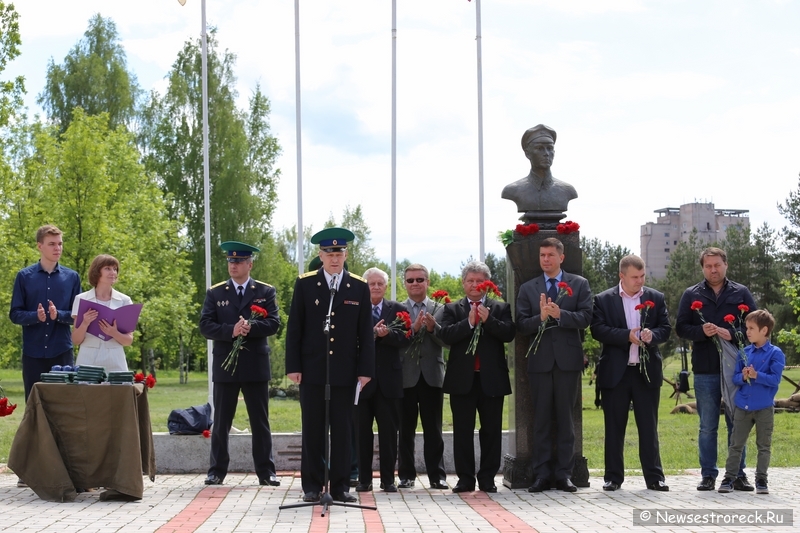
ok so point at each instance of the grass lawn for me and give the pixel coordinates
(678, 433)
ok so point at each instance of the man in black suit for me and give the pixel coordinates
(630, 369)
(555, 365)
(347, 342)
(423, 375)
(222, 321)
(477, 381)
(380, 399)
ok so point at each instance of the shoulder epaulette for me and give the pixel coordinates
(359, 278)
(262, 283)
(218, 284)
(308, 274)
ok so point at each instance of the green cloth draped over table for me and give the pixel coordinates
(84, 436)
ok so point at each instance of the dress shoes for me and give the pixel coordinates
(540, 485)
(436, 485)
(463, 487)
(213, 480)
(566, 485)
(354, 482)
(344, 497)
(391, 487)
(707, 483)
(659, 486)
(405, 484)
(612, 485)
(311, 496)
(364, 487)
(488, 488)
(272, 481)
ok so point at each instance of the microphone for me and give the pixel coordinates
(333, 284)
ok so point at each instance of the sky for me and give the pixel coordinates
(656, 104)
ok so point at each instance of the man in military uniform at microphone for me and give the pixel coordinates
(348, 340)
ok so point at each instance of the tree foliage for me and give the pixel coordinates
(95, 77)
(10, 91)
(89, 182)
(242, 154)
(601, 263)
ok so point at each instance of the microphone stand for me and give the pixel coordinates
(326, 500)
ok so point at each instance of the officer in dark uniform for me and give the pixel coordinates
(352, 359)
(226, 315)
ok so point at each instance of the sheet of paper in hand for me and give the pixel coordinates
(126, 316)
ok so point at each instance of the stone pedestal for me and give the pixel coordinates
(523, 265)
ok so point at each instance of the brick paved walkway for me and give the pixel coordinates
(181, 503)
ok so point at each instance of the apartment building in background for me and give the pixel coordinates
(674, 225)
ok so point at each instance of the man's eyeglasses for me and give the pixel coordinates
(418, 280)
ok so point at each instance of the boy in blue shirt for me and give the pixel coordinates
(758, 383)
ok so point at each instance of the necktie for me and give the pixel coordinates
(477, 365)
(552, 292)
(376, 314)
(416, 310)
(241, 291)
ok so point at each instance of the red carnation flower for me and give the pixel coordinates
(743, 308)
(206, 433)
(696, 305)
(639, 307)
(729, 319)
(150, 381)
(139, 377)
(650, 304)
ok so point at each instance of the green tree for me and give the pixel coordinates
(89, 182)
(10, 91)
(601, 263)
(242, 153)
(94, 76)
(790, 209)
(360, 253)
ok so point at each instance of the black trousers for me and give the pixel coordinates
(312, 462)
(490, 436)
(616, 406)
(425, 402)
(256, 399)
(386, 411)
(34, 367)
(553, 394)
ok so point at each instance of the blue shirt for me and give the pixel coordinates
(760, 393)
(33, 286)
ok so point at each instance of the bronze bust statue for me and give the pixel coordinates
(540, 196)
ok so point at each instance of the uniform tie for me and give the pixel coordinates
(241, 291)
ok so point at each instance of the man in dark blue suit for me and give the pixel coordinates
(630, 369)
(380, 399)
(477, 381)
(555, 365)
(226, 315)
(347, 340)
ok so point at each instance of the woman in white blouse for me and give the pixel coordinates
(110, 354)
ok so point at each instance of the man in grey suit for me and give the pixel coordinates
(423, 375)
(555, 364)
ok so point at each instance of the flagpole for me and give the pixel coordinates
(206, 187)
(300, 255)
(394, 149)
(480, 129)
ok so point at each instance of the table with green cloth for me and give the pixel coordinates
(85, 436)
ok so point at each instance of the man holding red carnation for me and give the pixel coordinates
(380, 399)
(701, 319)
(630, 321)
(477, 328)
(560, 305)
(227, 316)
(423, 375)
